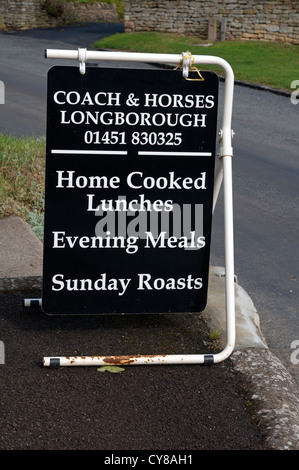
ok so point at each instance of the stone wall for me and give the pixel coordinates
(17, 14)
(91, 13)
(269, 20)
(25, 14)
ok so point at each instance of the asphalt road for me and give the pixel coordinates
(265, 175)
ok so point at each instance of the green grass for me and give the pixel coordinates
(22, 169)
(266, 63)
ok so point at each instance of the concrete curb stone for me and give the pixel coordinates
(274, 395)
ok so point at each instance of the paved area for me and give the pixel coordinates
(248, 402)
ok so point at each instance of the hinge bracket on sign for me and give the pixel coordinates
(187, 63)
(225, 150)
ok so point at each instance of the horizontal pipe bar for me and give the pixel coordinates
(148, 57)
(172, 359)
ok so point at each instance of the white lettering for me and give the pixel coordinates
(65, 179)
(136, 180)
(74, 98)
(119, 118)
(145, 282)
(294, 99)
(102, 283)
(154, 100)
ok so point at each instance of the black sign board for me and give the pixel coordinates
(129, 187)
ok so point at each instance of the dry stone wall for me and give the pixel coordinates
(93, 12)
(25, 14)
(16, 14)
(269, 20)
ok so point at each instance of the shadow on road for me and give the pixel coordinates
(77, 34)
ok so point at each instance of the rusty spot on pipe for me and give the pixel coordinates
(119, 359)
(123, 360)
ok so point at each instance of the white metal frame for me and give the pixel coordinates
(223, 174)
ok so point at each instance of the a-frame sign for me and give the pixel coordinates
(130, 191)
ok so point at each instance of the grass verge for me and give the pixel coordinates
(22, 169)
(266, 63)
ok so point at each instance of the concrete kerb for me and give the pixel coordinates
(248, 333)
(274, 396)
(269, 385)
(20, 257)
